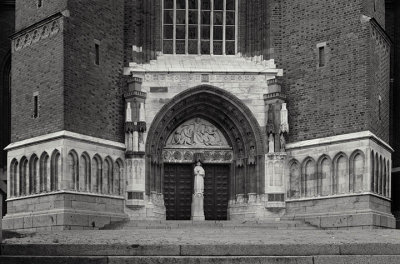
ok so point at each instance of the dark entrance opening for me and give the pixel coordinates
(178, 189)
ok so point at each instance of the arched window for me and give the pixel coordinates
(23, 176)
(357, 165)
(13, 178)
(97, 179)
(309, 178)
(73, 170)
(325, 173)
(294, 180)
(388, 179)
(384, 173)
(341, 174)
(86, 172)
(33, 174)
(44, 172)
(380, 175)
(118, 177)
(55, 170)
(108, 176)
(376, 173)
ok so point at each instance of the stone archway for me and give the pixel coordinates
(235, 121)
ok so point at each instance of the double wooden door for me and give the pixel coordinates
(178, 190)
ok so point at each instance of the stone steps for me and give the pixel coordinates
(272, 224)
(201, 254)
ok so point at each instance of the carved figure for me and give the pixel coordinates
(199, 175)
(283, 142)
(271, 143)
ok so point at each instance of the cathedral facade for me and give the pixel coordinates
(287, 105)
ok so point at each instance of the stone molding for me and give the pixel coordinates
(65, 192)
(187, 155)
(42, 30)
(338, 139)
(65, 134)
(337, 196)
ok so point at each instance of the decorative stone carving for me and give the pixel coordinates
(197, 133)
(284, 119)
(188, 155)
(271, 143)
(43, 31)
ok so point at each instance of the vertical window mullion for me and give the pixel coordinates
(224, 28)
(212, 28)
(236, 25)
(187, 28)
(174, 30)
(199, 27)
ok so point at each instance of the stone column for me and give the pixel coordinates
(135, 126)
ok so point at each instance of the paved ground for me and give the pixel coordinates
(208, 236)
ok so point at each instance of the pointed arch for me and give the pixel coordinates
(384, 176)
(73, 170)
(23, 176)
(341, 173)
(85, 172)
(357, 171)
(13, 178)
(325, 174)
(309, 181)
(97, 179)
(388, 180)
(380, 173)
(376, 173)
(55, 170)
(33, 173)
(294, 179)
(44, 172)
(118, 177)
(231, 116)
(108, 177)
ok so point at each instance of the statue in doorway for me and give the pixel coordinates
(198, 179)
(198, 193)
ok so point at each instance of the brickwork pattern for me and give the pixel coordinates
(93, 93)
(28, 13)
(329, 100)
(38, 68)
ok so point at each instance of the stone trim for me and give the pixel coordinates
(65, 134)
(338, 196)
(338, 139)
(66, 192)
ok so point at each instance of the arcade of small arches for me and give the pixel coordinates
(42, 174)
(340, 175)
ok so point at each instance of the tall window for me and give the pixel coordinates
(199, 27)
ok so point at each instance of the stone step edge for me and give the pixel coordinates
(200, 250)
(368, 259)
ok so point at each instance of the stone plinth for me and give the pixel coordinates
(198, 207)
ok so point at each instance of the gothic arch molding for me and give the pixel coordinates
(227, 113)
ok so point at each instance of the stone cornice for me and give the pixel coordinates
(65, 135)
(339, 139)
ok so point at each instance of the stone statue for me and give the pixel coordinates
(199, 179)
(198, 193)
(271, 143)
(283, 142)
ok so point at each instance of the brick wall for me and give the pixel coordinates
(37, 67)
(93, 94)
(28, 13)
(6, 29)
(330, 100)
(375, 9)
(378, 72)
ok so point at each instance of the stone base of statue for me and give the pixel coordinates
(198, 207)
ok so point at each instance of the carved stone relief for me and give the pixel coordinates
(197, 133)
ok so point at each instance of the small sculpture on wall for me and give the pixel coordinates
(271, 143)
(282, 141)
(198, 193)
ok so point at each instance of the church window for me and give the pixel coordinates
(39, 3)
(200, 27)
(379, 107)
(321, 51)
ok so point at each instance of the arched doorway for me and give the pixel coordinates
(238, 164)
